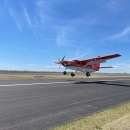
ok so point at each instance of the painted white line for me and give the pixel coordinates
(58, 82)
(35, 84)
(27, 88)
(114, 80)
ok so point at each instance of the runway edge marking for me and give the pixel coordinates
(35, 84)
(56, 83)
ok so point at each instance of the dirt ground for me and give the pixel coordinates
(26, 75)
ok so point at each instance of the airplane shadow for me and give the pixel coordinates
(70, 80)
(122, 84)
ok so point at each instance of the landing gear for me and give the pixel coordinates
(72, 74)
(87, 74)
(64, 73)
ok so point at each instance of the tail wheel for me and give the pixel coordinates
(87, 74)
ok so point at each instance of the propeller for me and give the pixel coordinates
(63, 58)
(61, 61)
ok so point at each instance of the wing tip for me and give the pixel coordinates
(117, 54)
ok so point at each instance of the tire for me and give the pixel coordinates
(72, 74)
(87, 74)
(64, 73)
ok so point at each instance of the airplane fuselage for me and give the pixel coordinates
(80, 66)
(88, 65)
(90, 70)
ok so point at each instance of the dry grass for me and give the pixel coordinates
(117, 118)
(15, 75)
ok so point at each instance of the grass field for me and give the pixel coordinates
(117, 118)
(24, 75)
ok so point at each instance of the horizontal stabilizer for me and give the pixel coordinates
(106, 67)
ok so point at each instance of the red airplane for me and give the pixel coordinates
(88, 66)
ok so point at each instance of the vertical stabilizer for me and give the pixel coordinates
(96, 66)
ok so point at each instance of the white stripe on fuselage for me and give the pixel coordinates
(81, 69)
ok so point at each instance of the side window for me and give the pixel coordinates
(83, 63)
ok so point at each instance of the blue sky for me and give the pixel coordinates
(35, 33)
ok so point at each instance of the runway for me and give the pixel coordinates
(44, 104)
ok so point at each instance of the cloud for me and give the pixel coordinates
(62, 38)
(37, 50)
(54, 67)
(112, 5)
(122, 36)
(109, 45)
(116, 6)
(71, 31)
(43, 14)
(118, 68)
(124, 33)
(80, 56)
(27, 17)
(13, 14)
(66, 32)
(65, 35)
(2, 64)
(123, 67)
(40, 15)
(47, 19)
(127, 61)
(115, 66)
(31, 65)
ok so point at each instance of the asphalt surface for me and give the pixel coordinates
(44, 104)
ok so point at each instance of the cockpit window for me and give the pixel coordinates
(76, 61)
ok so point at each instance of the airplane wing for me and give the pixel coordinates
(99, 59)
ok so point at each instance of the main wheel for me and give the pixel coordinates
(87, 74)
(64, 73)
(72, 74)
